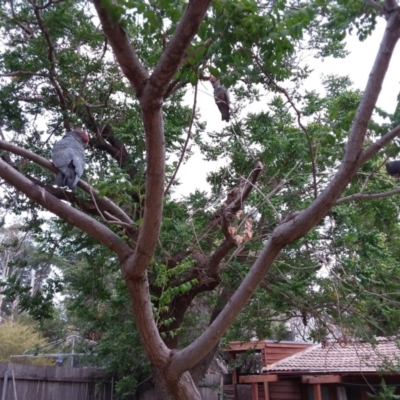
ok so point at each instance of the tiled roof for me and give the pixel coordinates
(335, 357)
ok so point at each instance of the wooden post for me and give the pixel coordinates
(317, 392)
(264, 357)
(266, 391)
(234, 377)
(254, 391)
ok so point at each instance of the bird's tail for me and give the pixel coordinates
(59, 181)
(69, 178)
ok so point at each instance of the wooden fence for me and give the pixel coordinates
(211, 387)
(23, 382)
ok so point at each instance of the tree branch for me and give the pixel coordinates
(390, 5)
(176, 49)
(72, 215)
(376, 6)
(155, 175)
(105, 203)
(236, 197)
(28, 33)
(367, 196)
(154, 345)
(71, 197)
(303, 222)
(174, 86)
(31, 99)
(115, 148)
(378, 145)
(123, 50)
(214, 263)
(44, 6)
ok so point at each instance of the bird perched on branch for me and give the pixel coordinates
(221, 96)
(68, 157)
(393, 169)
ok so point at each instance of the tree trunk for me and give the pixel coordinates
(198, 371)
(169, 389)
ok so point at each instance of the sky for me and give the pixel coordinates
(357, 65)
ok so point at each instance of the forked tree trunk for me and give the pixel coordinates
(169, 389)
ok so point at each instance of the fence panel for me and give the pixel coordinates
(210, 387)
(53, 383)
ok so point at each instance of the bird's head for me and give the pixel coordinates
(83, 135)
(213, 79)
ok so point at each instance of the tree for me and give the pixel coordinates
(17, 338)
(57, 62)
(25, 281)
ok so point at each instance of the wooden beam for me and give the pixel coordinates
(317, 392)
(254, 391)
(244, 346)
(319, 379)
(257, 378)
(260, 344)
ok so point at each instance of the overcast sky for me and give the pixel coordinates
(357, 65)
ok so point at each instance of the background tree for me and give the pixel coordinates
(25, 276)
(289, 216)
(16, 338)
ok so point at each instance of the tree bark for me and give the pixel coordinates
(170, 389)
(200, 369)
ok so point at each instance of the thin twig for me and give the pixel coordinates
(372, 174)
(51, 57)
(112, 222)
(22, 72)
(186, 141)
(105, 104)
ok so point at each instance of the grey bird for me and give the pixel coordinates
(393, 169)
(221, 96)
(68, 157)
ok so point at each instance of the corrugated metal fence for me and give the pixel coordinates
(23, 382)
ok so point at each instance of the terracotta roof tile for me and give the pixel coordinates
(342, 358)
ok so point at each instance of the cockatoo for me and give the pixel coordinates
(68, 157)
(393, 169)
(221, 96)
